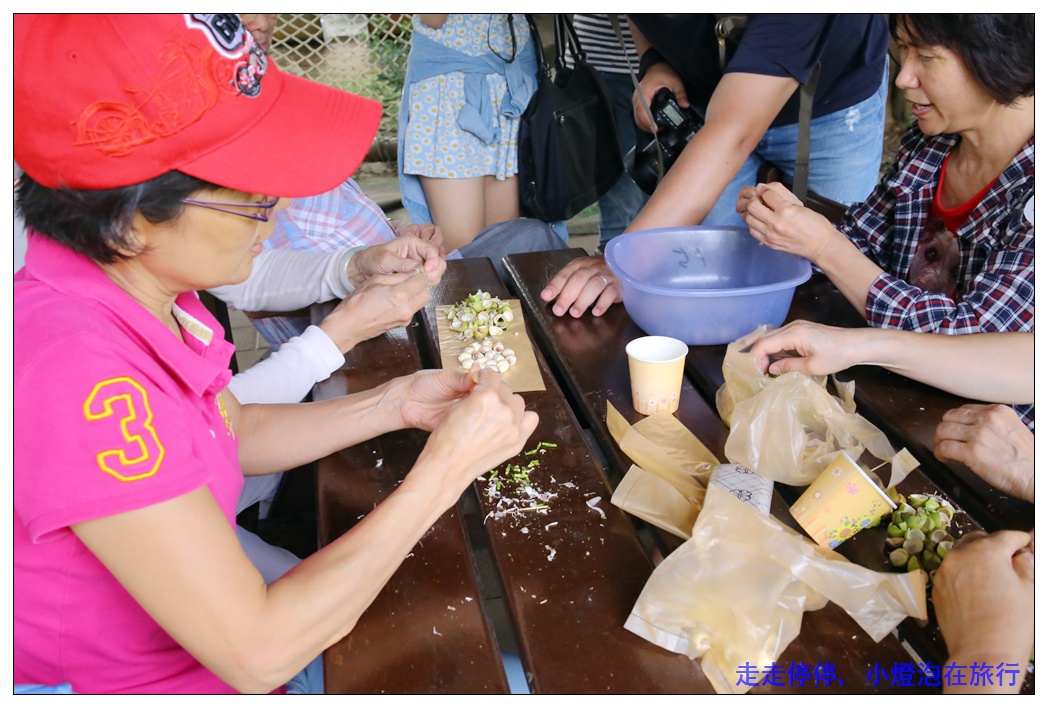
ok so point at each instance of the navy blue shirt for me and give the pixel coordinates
(852, 49)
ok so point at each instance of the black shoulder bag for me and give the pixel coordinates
(568, 144)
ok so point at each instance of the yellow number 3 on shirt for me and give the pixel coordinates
(125, 401)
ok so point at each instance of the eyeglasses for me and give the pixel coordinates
(264, 206)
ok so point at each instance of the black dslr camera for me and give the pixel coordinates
(676, 127)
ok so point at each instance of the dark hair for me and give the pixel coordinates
(998, 50)
(97, 222)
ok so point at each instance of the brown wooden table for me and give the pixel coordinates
(568, 587)
(590, 357)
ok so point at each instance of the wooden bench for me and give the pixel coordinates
(428, 630)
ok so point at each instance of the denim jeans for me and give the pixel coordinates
(846, 147)
(619, 206)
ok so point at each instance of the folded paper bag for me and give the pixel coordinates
(662, 445)
(734, 594)
(651, 498)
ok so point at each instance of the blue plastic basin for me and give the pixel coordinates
(703, 284)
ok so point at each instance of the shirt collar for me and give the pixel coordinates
(201, 362)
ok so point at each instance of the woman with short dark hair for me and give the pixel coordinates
(153, 145)
(945, 241)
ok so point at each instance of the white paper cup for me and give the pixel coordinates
(656, 373)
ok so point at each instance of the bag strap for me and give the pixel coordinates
(726, 25)
(613, 17)
(567, 40)
(543, 67)
(803, 140)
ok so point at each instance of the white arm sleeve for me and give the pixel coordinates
(289, 372)
(286, 280)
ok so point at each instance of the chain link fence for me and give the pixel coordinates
(362, 53)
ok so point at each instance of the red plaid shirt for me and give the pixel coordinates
(995, 282)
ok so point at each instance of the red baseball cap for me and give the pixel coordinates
(105, 101)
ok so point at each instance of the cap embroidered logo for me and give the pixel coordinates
(187, 86)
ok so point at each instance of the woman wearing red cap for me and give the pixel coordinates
(139, 137)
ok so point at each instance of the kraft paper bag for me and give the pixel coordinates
(735, 592)
(651, 498)
(662, 445)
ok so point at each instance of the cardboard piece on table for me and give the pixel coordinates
(662, 445)
(523, 377)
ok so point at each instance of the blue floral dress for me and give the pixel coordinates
(435, 145)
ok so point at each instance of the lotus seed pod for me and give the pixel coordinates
(913, 546)
(916, 500)
(932, 504)
(899, 558)
(913, 564)
(915, 534)
(894, 531)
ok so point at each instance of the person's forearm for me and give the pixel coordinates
(996, 367)
(435, 21)
(286, 280)
(739, 113)
(280, 437)
(851, 272)
(289, 373)
(343, 579)
(690, 189)
(642, 45)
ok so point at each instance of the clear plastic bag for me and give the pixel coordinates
(790, 427)
(735, 593)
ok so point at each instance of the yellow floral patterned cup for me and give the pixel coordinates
(840, 502)
(656, 373)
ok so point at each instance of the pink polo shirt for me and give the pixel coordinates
(112, 413)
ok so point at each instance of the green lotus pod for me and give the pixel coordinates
(917, 522)
(932, 504)
(913, 546)
(892, 493)
(944, 548)
(906, 510)
(894, 531)
(916, 500)
(913, 564)
(915, 534)
(947, 511)
(899, 558)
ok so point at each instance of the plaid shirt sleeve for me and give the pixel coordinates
(1000, 299)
